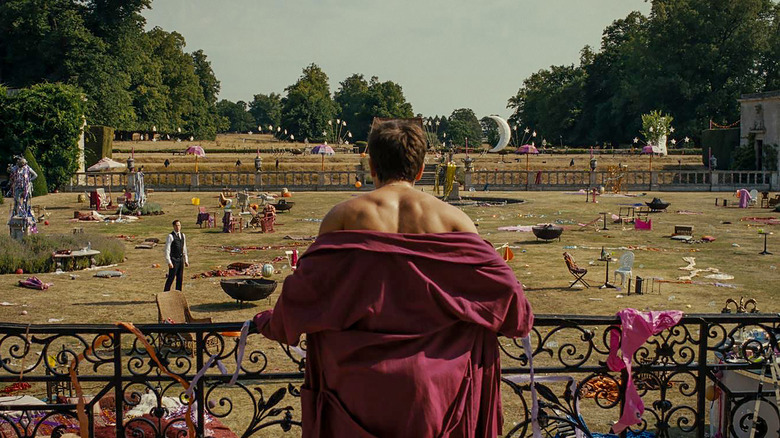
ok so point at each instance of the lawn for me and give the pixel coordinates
(539, 265)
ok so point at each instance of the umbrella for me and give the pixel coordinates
(527, 149)
(105, 164)
(198, 152)
(649, 150)
(323, 150)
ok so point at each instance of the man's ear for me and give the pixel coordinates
(419, 174)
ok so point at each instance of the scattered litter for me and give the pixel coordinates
(108, 274)
(671, 298)
(688, 306)
(310, 220)
(762, 220)
(735, 245)
(689, 212)
(23, 312)
(596, 299)
(56, 319)
(289, 237)
(731, 286)
(720, 276)
(618, 296)
(570, 247)
(6, 303)
(711, 304)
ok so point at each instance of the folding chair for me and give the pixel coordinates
(576, 271)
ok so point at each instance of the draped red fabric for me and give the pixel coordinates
(401, 333)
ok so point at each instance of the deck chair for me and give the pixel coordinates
(576, 271)
(625, 268)
(172, 308)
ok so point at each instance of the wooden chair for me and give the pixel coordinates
(576, 271)
(205, 218)
(172, 308)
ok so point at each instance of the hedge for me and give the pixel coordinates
(39, 184)
(34, 253)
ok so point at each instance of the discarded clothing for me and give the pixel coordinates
(421, 331)
(34, 283)
(635, 328)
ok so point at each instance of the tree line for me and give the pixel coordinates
(308, 111)
(691, 59)
(132, 79)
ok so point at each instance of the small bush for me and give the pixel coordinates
(33, 254)
(39, 184)
(150, 208)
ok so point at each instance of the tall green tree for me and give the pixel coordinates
(550, 102)
(46, 119)
(360, 101)
(464, 124)
(307, 107)
(239, 118)
(266, 110)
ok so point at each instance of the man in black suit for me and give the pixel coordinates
(176, 256)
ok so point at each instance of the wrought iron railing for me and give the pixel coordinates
(673, 371)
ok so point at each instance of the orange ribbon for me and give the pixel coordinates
(80, 407)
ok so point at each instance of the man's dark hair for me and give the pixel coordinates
(174, 221)
(397, 150)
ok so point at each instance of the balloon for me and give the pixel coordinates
(46, 222)
(362, 155)
(712, 393)
(268, 270)
(20, 271)
(358, 184)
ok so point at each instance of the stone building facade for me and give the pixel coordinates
(760, 123)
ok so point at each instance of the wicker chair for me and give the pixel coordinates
(172, 308)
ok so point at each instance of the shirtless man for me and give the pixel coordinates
(395, 206)
(401, 303)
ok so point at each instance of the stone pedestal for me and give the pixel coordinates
(455, 193)
(258, 180)
(20, 227)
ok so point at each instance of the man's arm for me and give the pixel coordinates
(168, 242)
(184, 249)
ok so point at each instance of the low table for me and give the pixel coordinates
(63, 261)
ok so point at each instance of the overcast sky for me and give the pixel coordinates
(446, 54)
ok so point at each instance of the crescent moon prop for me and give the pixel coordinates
(503, 132)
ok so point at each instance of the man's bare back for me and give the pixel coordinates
(397, 207)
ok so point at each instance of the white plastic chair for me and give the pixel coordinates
(625, 268)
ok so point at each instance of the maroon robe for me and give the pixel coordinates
(401, 333)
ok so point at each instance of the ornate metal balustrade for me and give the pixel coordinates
(672, 372)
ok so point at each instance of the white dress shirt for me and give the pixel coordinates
(168, 242)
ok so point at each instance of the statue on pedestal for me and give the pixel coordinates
(22, 221)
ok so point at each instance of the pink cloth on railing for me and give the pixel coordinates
(635, 328)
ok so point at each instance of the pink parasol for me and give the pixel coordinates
(649, 150)
(198, 152)
(323, 150)
(527, 149)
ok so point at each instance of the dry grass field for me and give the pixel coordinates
(227, 148)
(539, 265)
